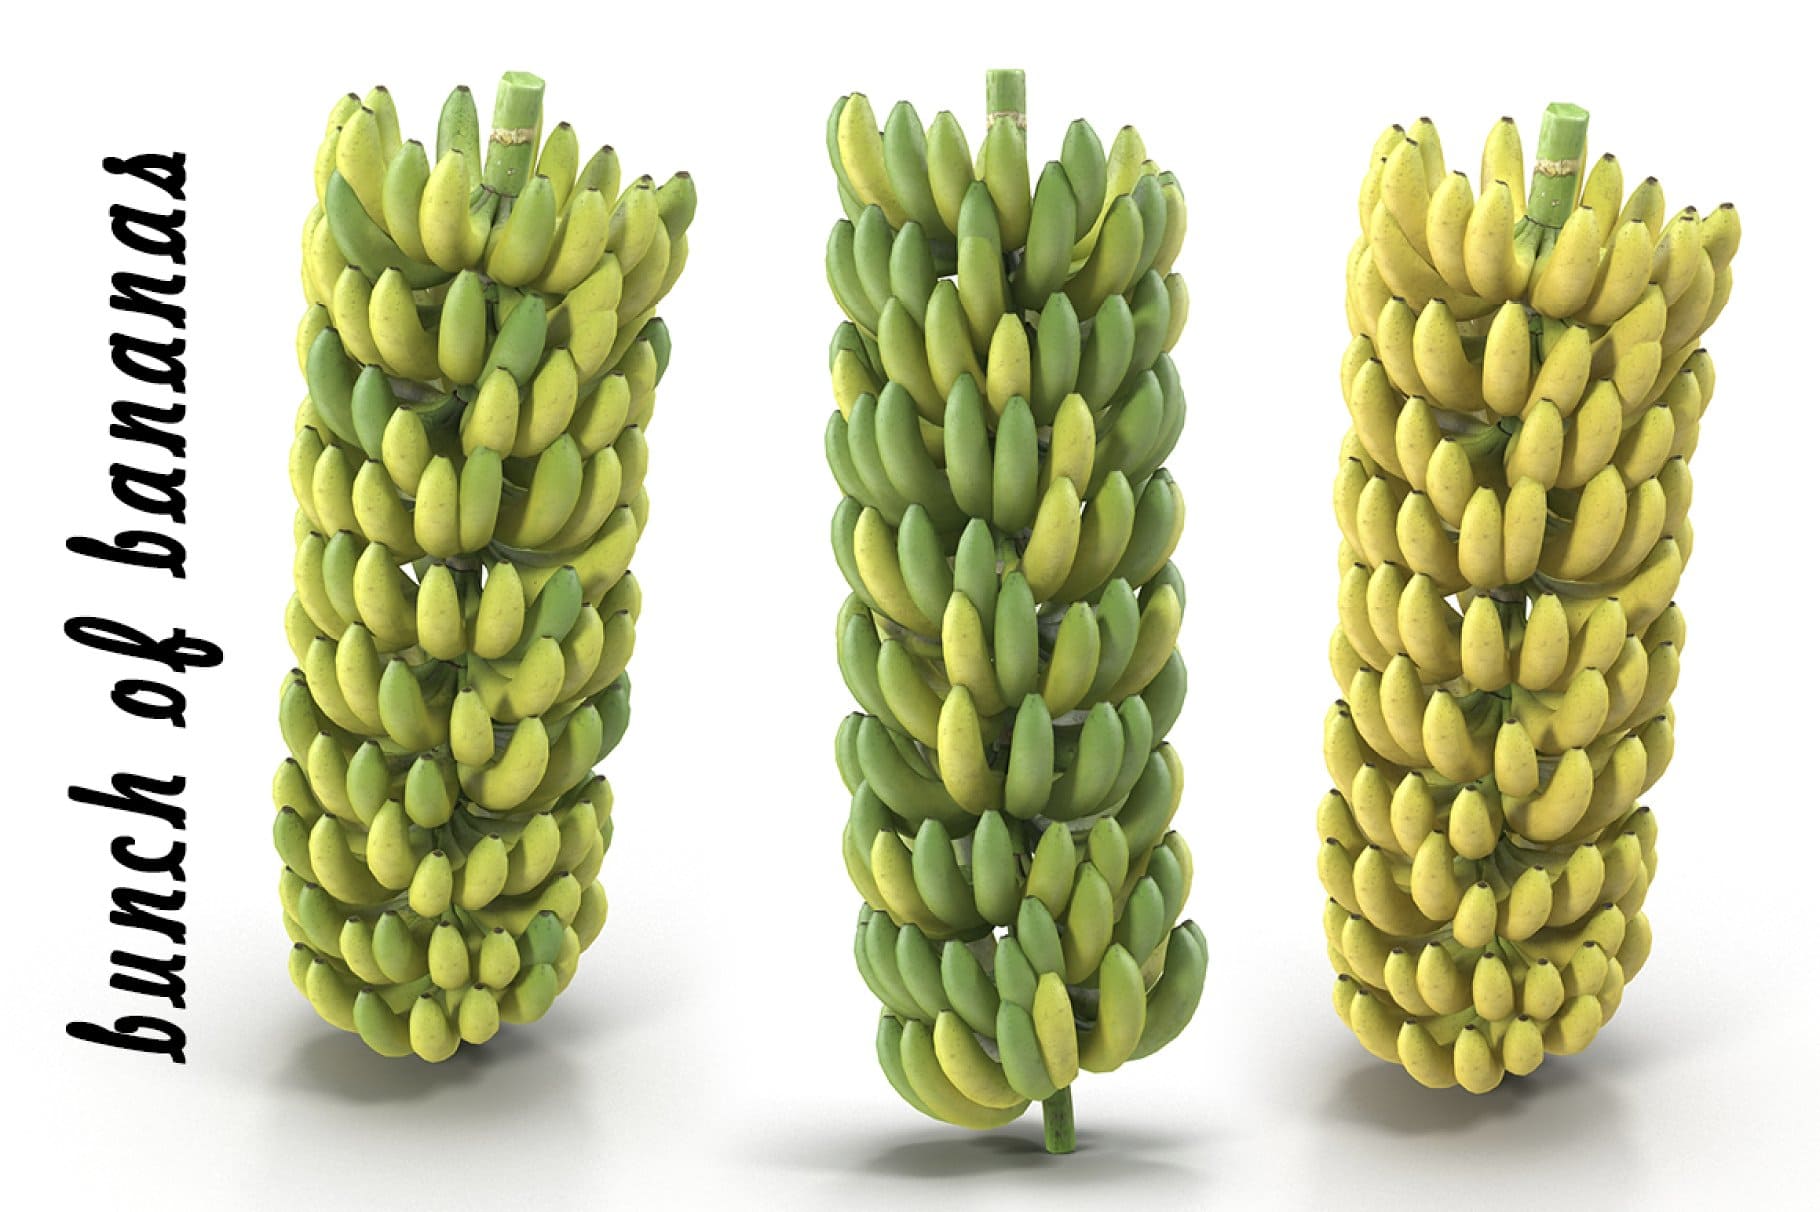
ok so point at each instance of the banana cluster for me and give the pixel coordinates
(481, 354)
(1525, 384)
(1005, 403)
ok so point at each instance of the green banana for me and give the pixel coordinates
(1004, 405)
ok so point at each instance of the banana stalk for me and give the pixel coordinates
(1005, 401)
(481, 352)
(1525, 383)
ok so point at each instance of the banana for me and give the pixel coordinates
(980, 273)
(559, 160)
(361, 241)
(1565, 371)
(1049, 243)
(458, 129)
(577, 243)
(1678, 254)
(1004, 167)
(348, 310)
(453, 230)
(1593, 529)
(861, 149)
(1498, 263)
(1449, 210)
(949, 165)
(1622, 275)
(1562, 280)
(1007, 371)
(397, 331)
(401, 198)
(545, 413)
(907, 168)
(1004, 406)
(1085, 161)
(1421, 541)
(1508, 365)
(1119, 1024)
(1403, 190)
(1115, 261)
(1446, 375)
(935, 1090)
(1497, 746)
(503, 469)
(1535, 451)
(1124, 163)
(1459, 749)
(1590, 442)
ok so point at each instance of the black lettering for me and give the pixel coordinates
(132, 292)
(169, 863)
(133, 422)
(147, 232)
(180, 651)
(150, 700)
(133, 793)
(156, 362)
(166, 553)
(154, 168)
(137, 909)
(157, 492)
(126, 1034)
(164, 980)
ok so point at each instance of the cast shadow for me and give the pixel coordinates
(1564, 1102)
(1106, 1154)
(525, 1062)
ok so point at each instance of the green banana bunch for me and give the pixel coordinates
(1005, 402)
(481, 352)
(1525, 383)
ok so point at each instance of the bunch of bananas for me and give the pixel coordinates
(481, 354)
(1525, 383)
(1005, 403)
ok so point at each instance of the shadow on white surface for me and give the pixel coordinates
(1564, 1102)
(1105, 1154)
(330, 1099)
(520, 1063)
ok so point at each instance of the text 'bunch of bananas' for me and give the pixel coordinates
(1525, 383)
(1006, 399)
(481, 356)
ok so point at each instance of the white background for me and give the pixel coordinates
(716, 1047)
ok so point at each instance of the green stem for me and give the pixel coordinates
(1560, 155)
(517, 123)
(1005, 93)
(1058, 1119)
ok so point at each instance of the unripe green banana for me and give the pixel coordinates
(1513, 496)
(469, 473)
(1006, 529)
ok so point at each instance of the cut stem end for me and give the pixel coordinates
(1058, 1116)
(512, 145)
(1560, 157)
(1005, 93)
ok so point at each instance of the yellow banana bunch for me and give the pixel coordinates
(481, 354)
(1525, 384)
(1006, 527)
